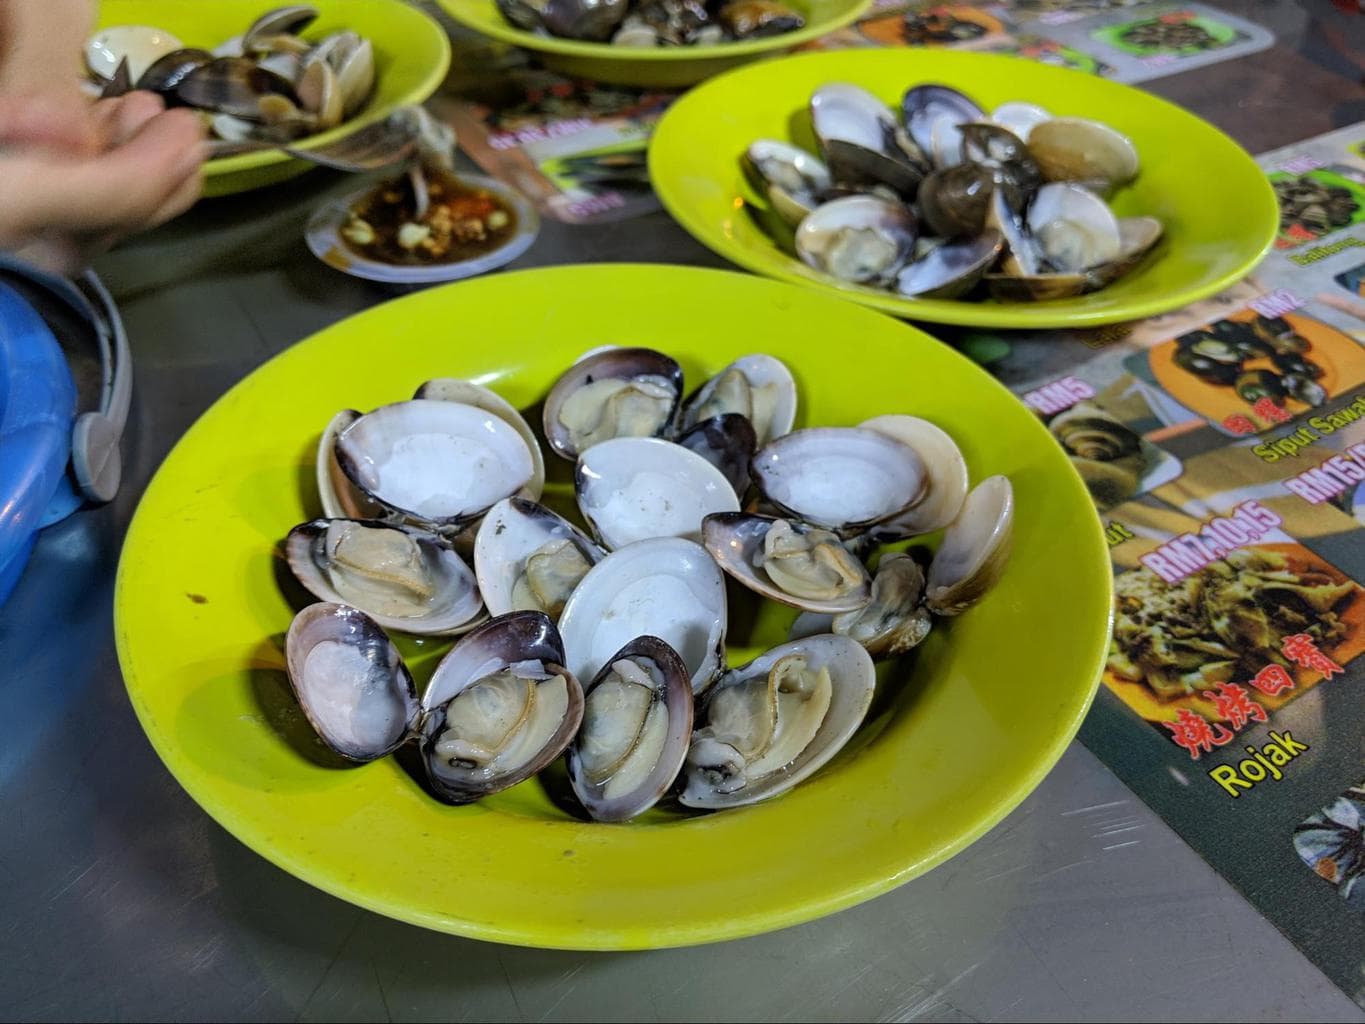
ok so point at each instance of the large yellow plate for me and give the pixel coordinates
(1219, 210)
(412, 54)
(661, 66)
(957, 737)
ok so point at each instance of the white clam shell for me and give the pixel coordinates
(452, 389)
(761, 371)
(636, 488)
(947, 470)
(439, 463)
(667, 587)
(141, 45)
(839, 477)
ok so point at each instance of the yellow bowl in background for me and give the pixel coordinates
(411, 50)
(958, 734)
(1218, 208)
(661, 67)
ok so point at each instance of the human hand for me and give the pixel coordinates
(79, 176)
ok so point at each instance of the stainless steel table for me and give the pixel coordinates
(122, 899)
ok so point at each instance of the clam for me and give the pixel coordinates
(956, 200)
(403, 578)
(1137, 237)
(528, 558)
(863, 239)
(839, 478)
(756, 19)
(792, 180)
(237, 86)
(451, 389)
(440, 464)
(1303, 388)
(140, 45)
(1022, 257)
(1074, 228)
(787, 561)
(727, 442)
(615, 392)
(772, 723)
(353, 61)
(166, 73)
(280, 21)
(350, 681)
(1078, 150)
(861, 141)
(975, 548)
(1020, 118)
(501, 707)
(946, 481)
(340, 498)
(637, 723)
(637, 488)
(894, 621)
(758, 387)
(589, 20)
(951, 270)
(319, 93)
(669, 588)
(934, 116)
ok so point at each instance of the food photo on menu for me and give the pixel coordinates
(682, 510)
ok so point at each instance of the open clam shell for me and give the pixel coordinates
(797, 565)
(637, 723)
(951, 270)
(1080, 150)
(636, 488)
(500, 707)
(894, 621)
(759, 387)
(946, 470)
(840, 478)
(774, 722)
(934, 116)
(861, 141)
(669, 588)
(440, 464)
(792, 180)
(341, 499)
(859, 238)
(452, 389)
(528, 558)
(975, 548)
(402, 577)
(1074, 229)
(610, 393)
(350, 681)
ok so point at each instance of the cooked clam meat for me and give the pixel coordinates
(760, 726)
(894, 620)
(809, 563)
(549, 576)
(611, 408)
(499, 723)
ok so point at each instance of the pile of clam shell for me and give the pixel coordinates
(651, 23)
(268, 84)
(608, 644)
(947, 201)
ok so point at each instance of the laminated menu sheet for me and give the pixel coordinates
(577, 148)
(1224, 446)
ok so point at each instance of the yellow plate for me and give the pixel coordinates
(662, 66)
(411, 52)
(958, 736)
(1218, 208)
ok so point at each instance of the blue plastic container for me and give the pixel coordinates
(37, 409)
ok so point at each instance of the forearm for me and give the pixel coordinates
(41, 42)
